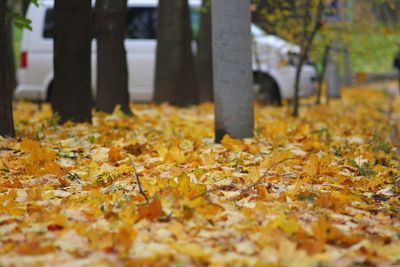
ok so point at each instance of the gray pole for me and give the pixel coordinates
(332, 74)
(347, 64)
(350, 10)
(232, 62)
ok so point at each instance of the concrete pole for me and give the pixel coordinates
(347, 64)
(332, 75)
(232, 63)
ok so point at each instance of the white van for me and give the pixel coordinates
(273, 58)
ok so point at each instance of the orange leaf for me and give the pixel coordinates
(16, 183)
(124, 238)
(151, 211)
(114, 154)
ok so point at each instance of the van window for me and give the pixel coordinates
(48, 30)
(141, 23)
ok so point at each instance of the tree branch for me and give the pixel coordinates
(140, 188)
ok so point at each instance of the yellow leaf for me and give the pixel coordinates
(312, 167)
(184, 184)
(175, 154)
(191, 249)
(275, 158)
(231, 143)
(289, 226)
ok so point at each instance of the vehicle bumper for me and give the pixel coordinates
(30, 92)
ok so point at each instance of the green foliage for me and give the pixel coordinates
(364, 169)
(19, 20)
(373, 49)
(378, 143)
(291, 20)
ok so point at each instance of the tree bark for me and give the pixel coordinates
(175, 79)
(321, 76)
(307, 40)
(11, 56)
(6, 112)
(24, 6)
(112, 66)
(204, 68)
(234, 114)
(72, 97)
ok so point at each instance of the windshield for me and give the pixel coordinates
(257, 31)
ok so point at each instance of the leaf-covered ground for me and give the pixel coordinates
(322, 190)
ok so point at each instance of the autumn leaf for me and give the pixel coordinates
(14, 183)
(175, 154)
(124, 238)
(319, 190)
(231, 143)
(151, 211)
(288, 225)
(115, 154)
(40, 160)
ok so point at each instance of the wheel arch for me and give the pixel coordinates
(275, 93)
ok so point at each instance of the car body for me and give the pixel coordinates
(35, 76)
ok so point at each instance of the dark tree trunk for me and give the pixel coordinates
(72, 96)
(25, 5)
(10, 54)
(175, 80)
(204, 68)
(112, 66)
(6, 112)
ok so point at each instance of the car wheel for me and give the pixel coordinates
(268, 93)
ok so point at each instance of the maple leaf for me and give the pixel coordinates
(151, 211)
(40, 160)
(115, 154)
(231, 143)
(124, 238)
(14, 183)
(296, 195)
(289, 226)
(175, 154)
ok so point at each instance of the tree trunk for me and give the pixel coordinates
(233, 94)
(321, 76)
(307, 40)
(11, 56)
(204, 68)
(175, 80)
(24, 6)
(72, 96)
(6, 112)
(296, 100)
(112, 66)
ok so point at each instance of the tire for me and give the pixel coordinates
(269, 93)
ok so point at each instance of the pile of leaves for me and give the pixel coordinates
(154, 189)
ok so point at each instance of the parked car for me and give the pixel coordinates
(274, 59)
